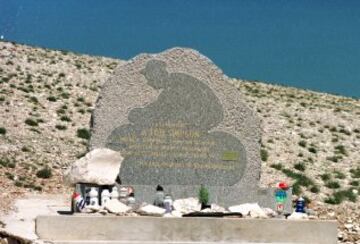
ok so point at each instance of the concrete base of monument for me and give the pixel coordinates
(224, 196)
(106, 229)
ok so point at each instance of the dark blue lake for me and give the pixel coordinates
(307, 44)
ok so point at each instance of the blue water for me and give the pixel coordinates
(307, 44)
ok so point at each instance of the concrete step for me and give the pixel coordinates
(122, 242)
(151, 230)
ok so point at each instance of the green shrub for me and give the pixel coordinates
(354, 183)
(332, 185)
(82, 111)
(65, 118)
(203, 195)
(18, 183)
(34, 100)
(31, 122)
(312, 150)
(302, 143)
(339, 175)
(37, 188)
(344, 131)
(334, 158)
(276, 166)
(52, 99)
(300, 166)
(301, 179)
(81, 99)
(83, 133)
(355, 173)
(25, 149)
(339, 196)
(325, 177)
(61, 127)
(4, 162)
(340, 149)
(264, 155)
(44, 173)
(65, 95)
(314, 189)
(296, 189)
(61, 111)
(2, 131)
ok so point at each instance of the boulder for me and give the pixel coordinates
(100, 166)
(151, 210)
(187, 205)
(116, 207)
(252, 209)
(298, 216)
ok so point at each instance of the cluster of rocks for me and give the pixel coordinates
(192, 207)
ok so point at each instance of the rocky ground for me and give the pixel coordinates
(310, 139)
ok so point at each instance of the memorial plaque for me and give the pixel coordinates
(179, 123)
(169, 141)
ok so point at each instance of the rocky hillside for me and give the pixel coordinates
(311, 140)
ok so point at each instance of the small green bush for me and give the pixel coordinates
(61, 111)
(65, 118)
(339, 175)
(355, 173)
(44, 173)
(52, 99)
(340, 149)
(276, 166)
(60, 127)
(34, 100)
(302, 143)
(300, 166)
(315, 189)
(339, 196)
(81, 99)
(2, 131)
(325, 177)
(264, 155)
(83, 133)
(203, 195)
(4, 162)
(302, 179)
(354, 183)
(296, 189)
(18, 183)
(312, 150)
(344, 131)
(31, 122)
(332, 185)
(334, 158)
(65, 95)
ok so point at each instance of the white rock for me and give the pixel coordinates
(258, 212)
(187, 205)
(100, 166)
(246, 208)
(151, 210)
(349, 226)
(116, 207)
(269, 212)
(176, 213)
(217, 208)
(92, 208)
(298, 216)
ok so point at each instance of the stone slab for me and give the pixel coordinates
(177, 120)
(183, 230)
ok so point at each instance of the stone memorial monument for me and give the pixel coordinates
(179, 123)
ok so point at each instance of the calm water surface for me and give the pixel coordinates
(307, 44)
